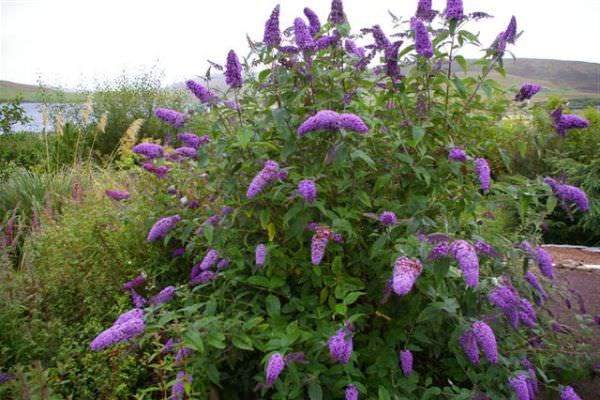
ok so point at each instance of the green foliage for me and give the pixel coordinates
(12, 113)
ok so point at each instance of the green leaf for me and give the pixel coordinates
(242, 341)
(352, 297)
(315, 392)
(383, 394)
(193, 340)
(418, 133)
(216, 339)
(463, 63)
(364, 198)
(273, 305)
(213, 374)
(208, 231)
(359, 154)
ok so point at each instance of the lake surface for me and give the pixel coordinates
(34, 111)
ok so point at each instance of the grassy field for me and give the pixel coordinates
(32, 93)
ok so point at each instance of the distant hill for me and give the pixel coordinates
(31, 93)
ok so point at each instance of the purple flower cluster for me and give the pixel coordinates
(5, 377)
(186, 152)
(260, 255)
(137, 299)
(424, 11)
(564, 122)
(568, 393)
(544, 261)
(117, 195)
(303, 38)
(233, 71)
(406, 362)
(351, 393)
(127, 326)
(272, 36)
(341, 346)
(381, 40)
(422, 42)
(466, 256)
(210, 259)
(454, 10)
(485, 248)
(203, 277)
(519, 385)
(200, 91)
(320, 239)
(390, 54)
(527, 91)
(469, 345)
(134, 283)
(457, 154)
(569, 194)
(527, 248)
(517, 310)
(482, 169)
(510, 34)
(439, 251)
(163, 226)
(327, 41)
(163, 296)
(159, 171)
(406, 272)
(232, 104)
(328, 120)
(533, 281)
(178, 390)
(176, 119)
(267, 175)
(486, 340)
(275, 367)
(388, 218)
(353, 49)
(148, 150)
(192, 140)
(308, 190)
(313, 20)
(336, 16)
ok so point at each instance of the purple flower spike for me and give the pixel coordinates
(148, 150)
(482, 169)
(406, 362)
(352, 122)
(422, 42)
(261, 255)
(564, 122)
(178, 390)
(353, 49)
(163, 296)
(203, 277)
(233, 71)
(439, 251)
(569, 394)
(302, 35)
(117, 195)
(526, 246)
(137, 300)
(569, 194)
(381, 40)
(313, 20)
(466, 256)
(5, 377)
(351, 393)
(424, 11)
(341, 346)
(388, 218)
(192, 140)
(406, 272)
(176, 119)
(454, 10)
(391, 61)
(535, 284)
(328, 120)
(275, 366)
(126, 327)
(457, 154)
(327, 41)
(519, 386)
(486, 249)
(487, 340)
(267, 175)
(317, 248)
(163, 226)
(336, 16)
(209, 260)
(134, 283)
(200, 91)
(308, 190)
(272, 36)
(469, 346)
(527, 91)
(544, 261)
(187, 152)
(510, 34)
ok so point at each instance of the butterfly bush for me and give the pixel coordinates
(330, 301)
(117, 195)
(148, 150)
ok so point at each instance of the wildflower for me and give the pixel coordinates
(519, 385)
(210, 259)
(232, 104)
(224, 263)
(192, 140)
(510, 34)
(289, 49)
(424, 11)
(275, 366)
(353, 49)
(422, 42)
(406, 362)
(440, 250)
(535, 284)
(487, 340)
(272, 36)
(308, 190)
(454, 10)
(351, 393)
(544, 261)
(485, 248)
(163, 226)
(202, 277)
(176, 119)
(527, 314)
(457, 154)
(327, 41)
(148, 150)
(567, 393)
(388, 218)
(187, 152)
(127, 326)
(569, 194)
(135, 282)
(381, 40)
(178, 390)
(527, 91)
(160, 172)
(268, 174)
(117, 195)
(482, 169)
(336, 16)
(317, 248)
(352, 122)
(182, 354)
(406, 272)
(233, 70)
(200, 91)
(302, 35)
(469, 345)
(328, 120)
(564, 122)
(261, 254)
(163, 296)
(313, 20)
(391, 61)
(526, 246)
(340, 346)
(137, 300)
(466, 256)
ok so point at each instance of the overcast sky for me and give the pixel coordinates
(74, 42)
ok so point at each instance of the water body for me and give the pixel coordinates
(34, 111)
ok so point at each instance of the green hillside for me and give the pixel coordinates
(31, 93)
